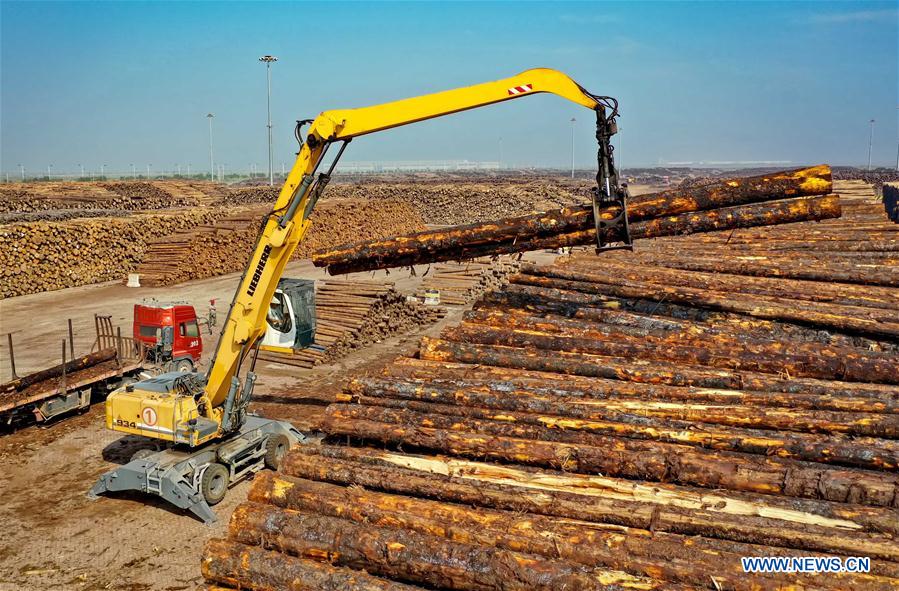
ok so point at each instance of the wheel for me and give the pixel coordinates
(214, 483)
(183, 366)
(275, 448)
(142, 454)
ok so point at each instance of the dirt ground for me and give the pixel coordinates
(54, 537)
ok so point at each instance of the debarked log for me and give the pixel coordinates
(652, 506)
(550, 409)
(574, 226)
(252, 568)
(657, 555)
(421, 558)
(614, 456)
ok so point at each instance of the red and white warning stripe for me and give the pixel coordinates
(520, 89)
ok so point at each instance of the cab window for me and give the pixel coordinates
(189, 329)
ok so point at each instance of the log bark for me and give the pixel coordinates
(655, 507)
(56, 371)
(248, 567)
(557, 410)
(698, 346)
(655, 372)
(640, 552)
(421, 558)
(754, 384)
(572, 226)
(620, 457)
(851, 320)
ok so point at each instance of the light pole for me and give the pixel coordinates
(870, 142)
(148, 172)
(210, 116)
(188, 170)
(572, 146)
(81, 166)
(49, 166)
(102, 171)
(268, 60)
(133, 172)
(22, 168)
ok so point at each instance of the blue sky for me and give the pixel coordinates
(117, 83)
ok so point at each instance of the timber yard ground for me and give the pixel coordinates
(55, 538)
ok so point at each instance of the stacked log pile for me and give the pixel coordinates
(609, 423)
(776, 198)
(444, 203)
(461, 283)
(43, 256)
(353, 314)
(225, 246)
(130, 195)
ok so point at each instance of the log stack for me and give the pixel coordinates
(608, 423)
(777, 198)
(462, 283)
(350, 315)
(43, 256)
(225, 246)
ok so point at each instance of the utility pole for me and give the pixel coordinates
(49, 166)
(102, 171)
(133, 172)
(210, 116)
(148, 172)
(572, 146)
(188, 170)
(22, 168)
(269, 60)
(870, 142)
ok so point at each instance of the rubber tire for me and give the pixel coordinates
(276, 446)
(214, 484)
(183, 366)
(142, 454)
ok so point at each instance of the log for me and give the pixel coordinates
(252, 568)
(543, 230)
(852, 319)
(655, 372)
(697, 346)
(849, 366)
(753, 384)
(620, 457)
(640, 552)
(420, 558)
(531, 406)
(655, 507)
(56, 371)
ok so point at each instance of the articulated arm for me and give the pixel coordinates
(288, 222)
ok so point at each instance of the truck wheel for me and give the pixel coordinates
(214, 483)
(275, 448)
(183, 366)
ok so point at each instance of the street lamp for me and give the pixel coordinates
(572, 146)
(210, 116)
(268, 60)
(870, 142)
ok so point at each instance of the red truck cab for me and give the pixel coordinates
(171, 333)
